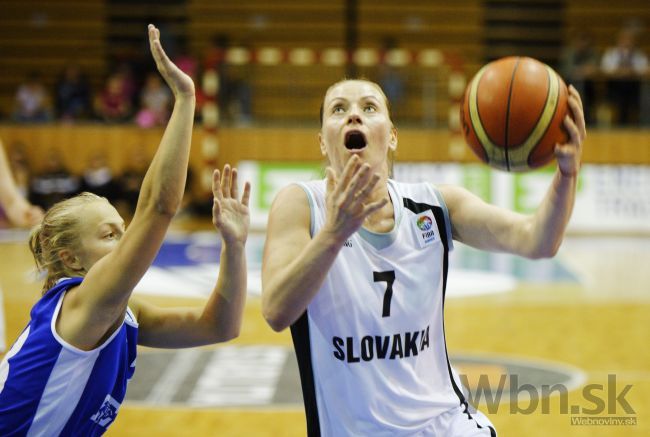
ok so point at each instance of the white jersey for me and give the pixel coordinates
(371, 345)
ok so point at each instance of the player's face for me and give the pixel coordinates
(100, 230)
(356, 121)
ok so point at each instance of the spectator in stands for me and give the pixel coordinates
(114, 103)
(391, 78)
(131, 180)
(12, 202)
(579, 63)
(155, 102)
(624, 64)
(54, 184)
(32, 102)
(98, 178)
(235, 93)
(72, 94)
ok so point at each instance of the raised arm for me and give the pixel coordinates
(220, 319)
(100, 301)
(294, 264)
(539, 235)
(19, 211)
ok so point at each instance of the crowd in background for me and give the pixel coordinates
(619, 69)
(55, 182)
(129, 93)
(611, 82)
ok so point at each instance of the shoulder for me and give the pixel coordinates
(456, 198)
(290, 207)
(293, 194)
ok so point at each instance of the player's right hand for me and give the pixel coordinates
(179, 82)
(347, 198)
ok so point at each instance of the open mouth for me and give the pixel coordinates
(355, 140)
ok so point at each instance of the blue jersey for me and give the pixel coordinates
(49, 387)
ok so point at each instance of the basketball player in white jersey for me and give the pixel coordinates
(67, 373)
(356, 265)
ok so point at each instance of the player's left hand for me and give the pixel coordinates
(569, 155)
(230, 215)
(23, 214)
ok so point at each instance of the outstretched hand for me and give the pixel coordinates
(179, 82)
(347, 196)
(24, 214)
(230, 215)
(569, 155)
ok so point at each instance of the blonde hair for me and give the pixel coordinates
(59, 230)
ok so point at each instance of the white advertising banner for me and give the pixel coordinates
(610, 198)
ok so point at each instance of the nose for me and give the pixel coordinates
(354, 117)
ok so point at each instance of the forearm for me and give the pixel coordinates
(222, 315)
(8, 191)
(289, 289)
(164, 182)
(550, 221)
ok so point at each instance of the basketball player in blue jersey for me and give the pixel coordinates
(67, 372)
(356, 265)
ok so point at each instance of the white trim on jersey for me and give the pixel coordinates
(67, 381)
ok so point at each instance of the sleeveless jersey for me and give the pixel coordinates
(371, 345)
(49, 387)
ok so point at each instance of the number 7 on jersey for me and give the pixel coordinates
(388, 277)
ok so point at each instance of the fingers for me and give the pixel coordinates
(225, 185)
(578, 114)
(358, 185)
(247, 193)
(349, 170)
(573, 130)
(226, 182)
(374, 206)
(234, 189)
(216, 186)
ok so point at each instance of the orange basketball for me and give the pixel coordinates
(513, 112)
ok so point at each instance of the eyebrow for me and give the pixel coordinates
(344, 99)
(119, 225)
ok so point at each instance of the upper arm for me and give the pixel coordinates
(484, 226)
(288, 230)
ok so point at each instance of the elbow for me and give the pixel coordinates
(229, 335)
(277, 321)
(167, 208)
(545, 251)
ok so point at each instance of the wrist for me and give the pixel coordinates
(330, 239)
(233, 245)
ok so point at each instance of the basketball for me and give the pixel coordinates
(512, 113)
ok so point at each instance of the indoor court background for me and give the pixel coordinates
(579, 322)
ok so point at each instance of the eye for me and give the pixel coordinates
(338, 109)
(370, 108)
(110, 236)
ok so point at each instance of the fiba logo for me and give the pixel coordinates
(424, 223)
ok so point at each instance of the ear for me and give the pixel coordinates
(323, 150)
(392, 144)
(70, 260)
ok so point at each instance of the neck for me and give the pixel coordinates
(382, 220)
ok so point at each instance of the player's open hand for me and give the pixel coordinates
(179, 82)
(347, 197)
(569, 155)
(230, 215)
(23, 214)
